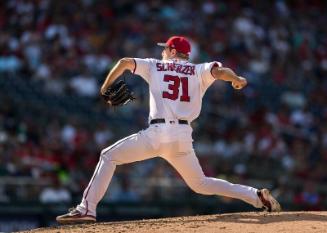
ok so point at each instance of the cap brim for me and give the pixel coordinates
(162, 44)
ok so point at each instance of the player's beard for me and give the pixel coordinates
(164, 56)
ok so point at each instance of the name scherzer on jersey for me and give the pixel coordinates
(176, 87)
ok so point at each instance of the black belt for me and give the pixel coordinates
(161, 120)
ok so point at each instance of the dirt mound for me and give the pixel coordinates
(237, 222)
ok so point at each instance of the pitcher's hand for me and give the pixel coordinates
(239, 83)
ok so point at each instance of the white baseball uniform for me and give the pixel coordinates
(176, 90)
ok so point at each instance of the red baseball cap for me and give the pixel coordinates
(180, 43)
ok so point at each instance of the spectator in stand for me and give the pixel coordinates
(53, 54)
(56, 193)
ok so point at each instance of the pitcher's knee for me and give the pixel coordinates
(104, 154)
(199, 186)
(108, 156)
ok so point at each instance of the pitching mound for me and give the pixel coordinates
(237, 222)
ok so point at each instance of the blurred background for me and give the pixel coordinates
(54, 56)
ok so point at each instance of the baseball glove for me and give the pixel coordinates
(118, 94)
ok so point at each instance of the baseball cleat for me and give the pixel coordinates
(74, 217)
(270, 204)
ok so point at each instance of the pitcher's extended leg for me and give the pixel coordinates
(187, 164)
(130, 149)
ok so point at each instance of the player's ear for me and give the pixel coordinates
(173, 52)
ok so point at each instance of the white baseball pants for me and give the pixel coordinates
(173, 142)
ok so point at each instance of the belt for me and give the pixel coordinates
(161, 120)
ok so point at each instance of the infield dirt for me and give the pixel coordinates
(248, 222)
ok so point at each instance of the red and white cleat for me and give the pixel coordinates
(269, 202)
(75, 217)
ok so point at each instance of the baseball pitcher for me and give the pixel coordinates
(176, 88)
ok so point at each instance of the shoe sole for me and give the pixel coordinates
(275, 206)
(75, 220)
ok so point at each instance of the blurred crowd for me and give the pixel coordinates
(57, 53)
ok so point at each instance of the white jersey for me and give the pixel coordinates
(176, 91)
(176, 86)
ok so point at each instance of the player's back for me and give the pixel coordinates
(176, 87)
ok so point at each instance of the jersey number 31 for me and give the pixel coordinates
(173, 86)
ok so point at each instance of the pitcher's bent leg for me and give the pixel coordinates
(189, 168)
(130, 149)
